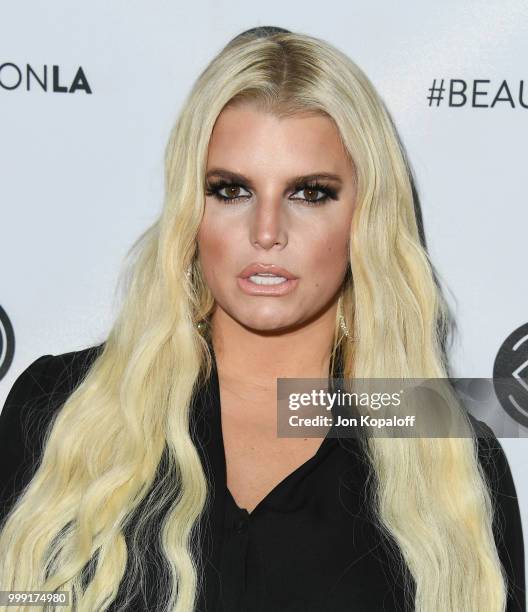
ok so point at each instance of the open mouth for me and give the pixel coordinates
(266, 279)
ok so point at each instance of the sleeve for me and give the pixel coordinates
(20, 445)
(507, 524)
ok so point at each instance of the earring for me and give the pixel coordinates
(344, 328)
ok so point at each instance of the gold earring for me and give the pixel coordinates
(344, 327)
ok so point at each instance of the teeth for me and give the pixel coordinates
(268, 279)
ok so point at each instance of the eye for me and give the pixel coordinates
(311, 189)
(232, 189)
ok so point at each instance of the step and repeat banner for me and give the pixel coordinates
(89, 92)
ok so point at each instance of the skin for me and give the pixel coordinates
(257, 339)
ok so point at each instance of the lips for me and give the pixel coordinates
(260, 268)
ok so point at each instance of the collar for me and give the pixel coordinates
(206, 431)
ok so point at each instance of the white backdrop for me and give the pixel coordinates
(82, 174)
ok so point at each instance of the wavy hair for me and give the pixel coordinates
(105, 444)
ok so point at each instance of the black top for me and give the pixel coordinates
(310, 545)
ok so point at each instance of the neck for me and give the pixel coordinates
(256, 359)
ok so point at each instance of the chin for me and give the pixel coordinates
(269, 324)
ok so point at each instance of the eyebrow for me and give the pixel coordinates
(235, 176)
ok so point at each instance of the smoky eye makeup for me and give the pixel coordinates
(321, 191)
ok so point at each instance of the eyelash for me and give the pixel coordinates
(214, 188)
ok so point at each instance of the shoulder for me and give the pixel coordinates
(493, 460)
(507, 522)
(47, 375)
(35, 397)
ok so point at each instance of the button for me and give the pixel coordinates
(240, 525)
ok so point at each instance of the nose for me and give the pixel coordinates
(268, 224)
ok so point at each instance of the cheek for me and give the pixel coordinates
(328, 259)
(216, 245)
(209, 246)
(334, 247)
(210, 240)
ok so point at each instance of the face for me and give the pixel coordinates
(258, 210)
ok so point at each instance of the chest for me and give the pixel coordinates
(257, 460)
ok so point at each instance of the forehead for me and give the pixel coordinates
(247, 137)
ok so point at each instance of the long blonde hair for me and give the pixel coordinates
(103, 450)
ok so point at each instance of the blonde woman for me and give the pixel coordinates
(146, 473)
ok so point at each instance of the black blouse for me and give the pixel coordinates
(311, 545)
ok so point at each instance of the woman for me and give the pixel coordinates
(257, 270)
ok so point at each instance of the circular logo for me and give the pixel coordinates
(510, 375)
(7, 343)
